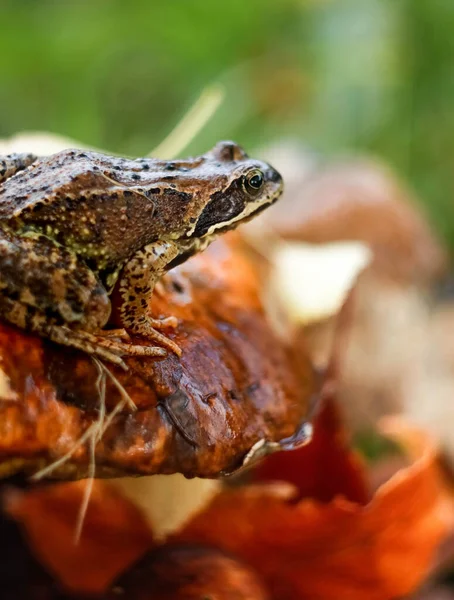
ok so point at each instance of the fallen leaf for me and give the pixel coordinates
(309, 549)
(114, 534)
(325, 468)
(299, 549)
(22, 577)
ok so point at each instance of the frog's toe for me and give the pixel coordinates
(167, 322)
(166, 342)
(86, 342)
(113, 351)
(109, 356)
(136, 350)
(120, 334)
(148, 331)
(100, 352)
(102, 346)
(120, 348)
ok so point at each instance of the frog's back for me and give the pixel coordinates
(52, 179)
(87, 201)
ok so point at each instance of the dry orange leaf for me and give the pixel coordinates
(114, 535)
(325, 468)
(305, 549)
(338, 550)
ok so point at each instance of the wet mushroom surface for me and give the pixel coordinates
(235, 388)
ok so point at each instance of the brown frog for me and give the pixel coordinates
(76, 224)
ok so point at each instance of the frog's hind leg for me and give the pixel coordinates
(12, 163)
(99, 345)
(46, 289)
(30, 319)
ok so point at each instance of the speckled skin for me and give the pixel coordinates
(72, 222)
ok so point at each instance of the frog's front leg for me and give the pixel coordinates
(12, 163)
(48, 290)
(136, 287)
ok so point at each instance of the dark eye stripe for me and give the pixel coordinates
(222, 208)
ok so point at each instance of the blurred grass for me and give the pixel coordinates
(341, 76)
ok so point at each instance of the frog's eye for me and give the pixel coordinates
(254, 181)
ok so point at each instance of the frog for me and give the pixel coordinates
(79, 224)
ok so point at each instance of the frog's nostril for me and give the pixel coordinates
(274, 176)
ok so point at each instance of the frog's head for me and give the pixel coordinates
(240, 188)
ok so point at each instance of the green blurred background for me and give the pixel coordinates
(340, 75)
